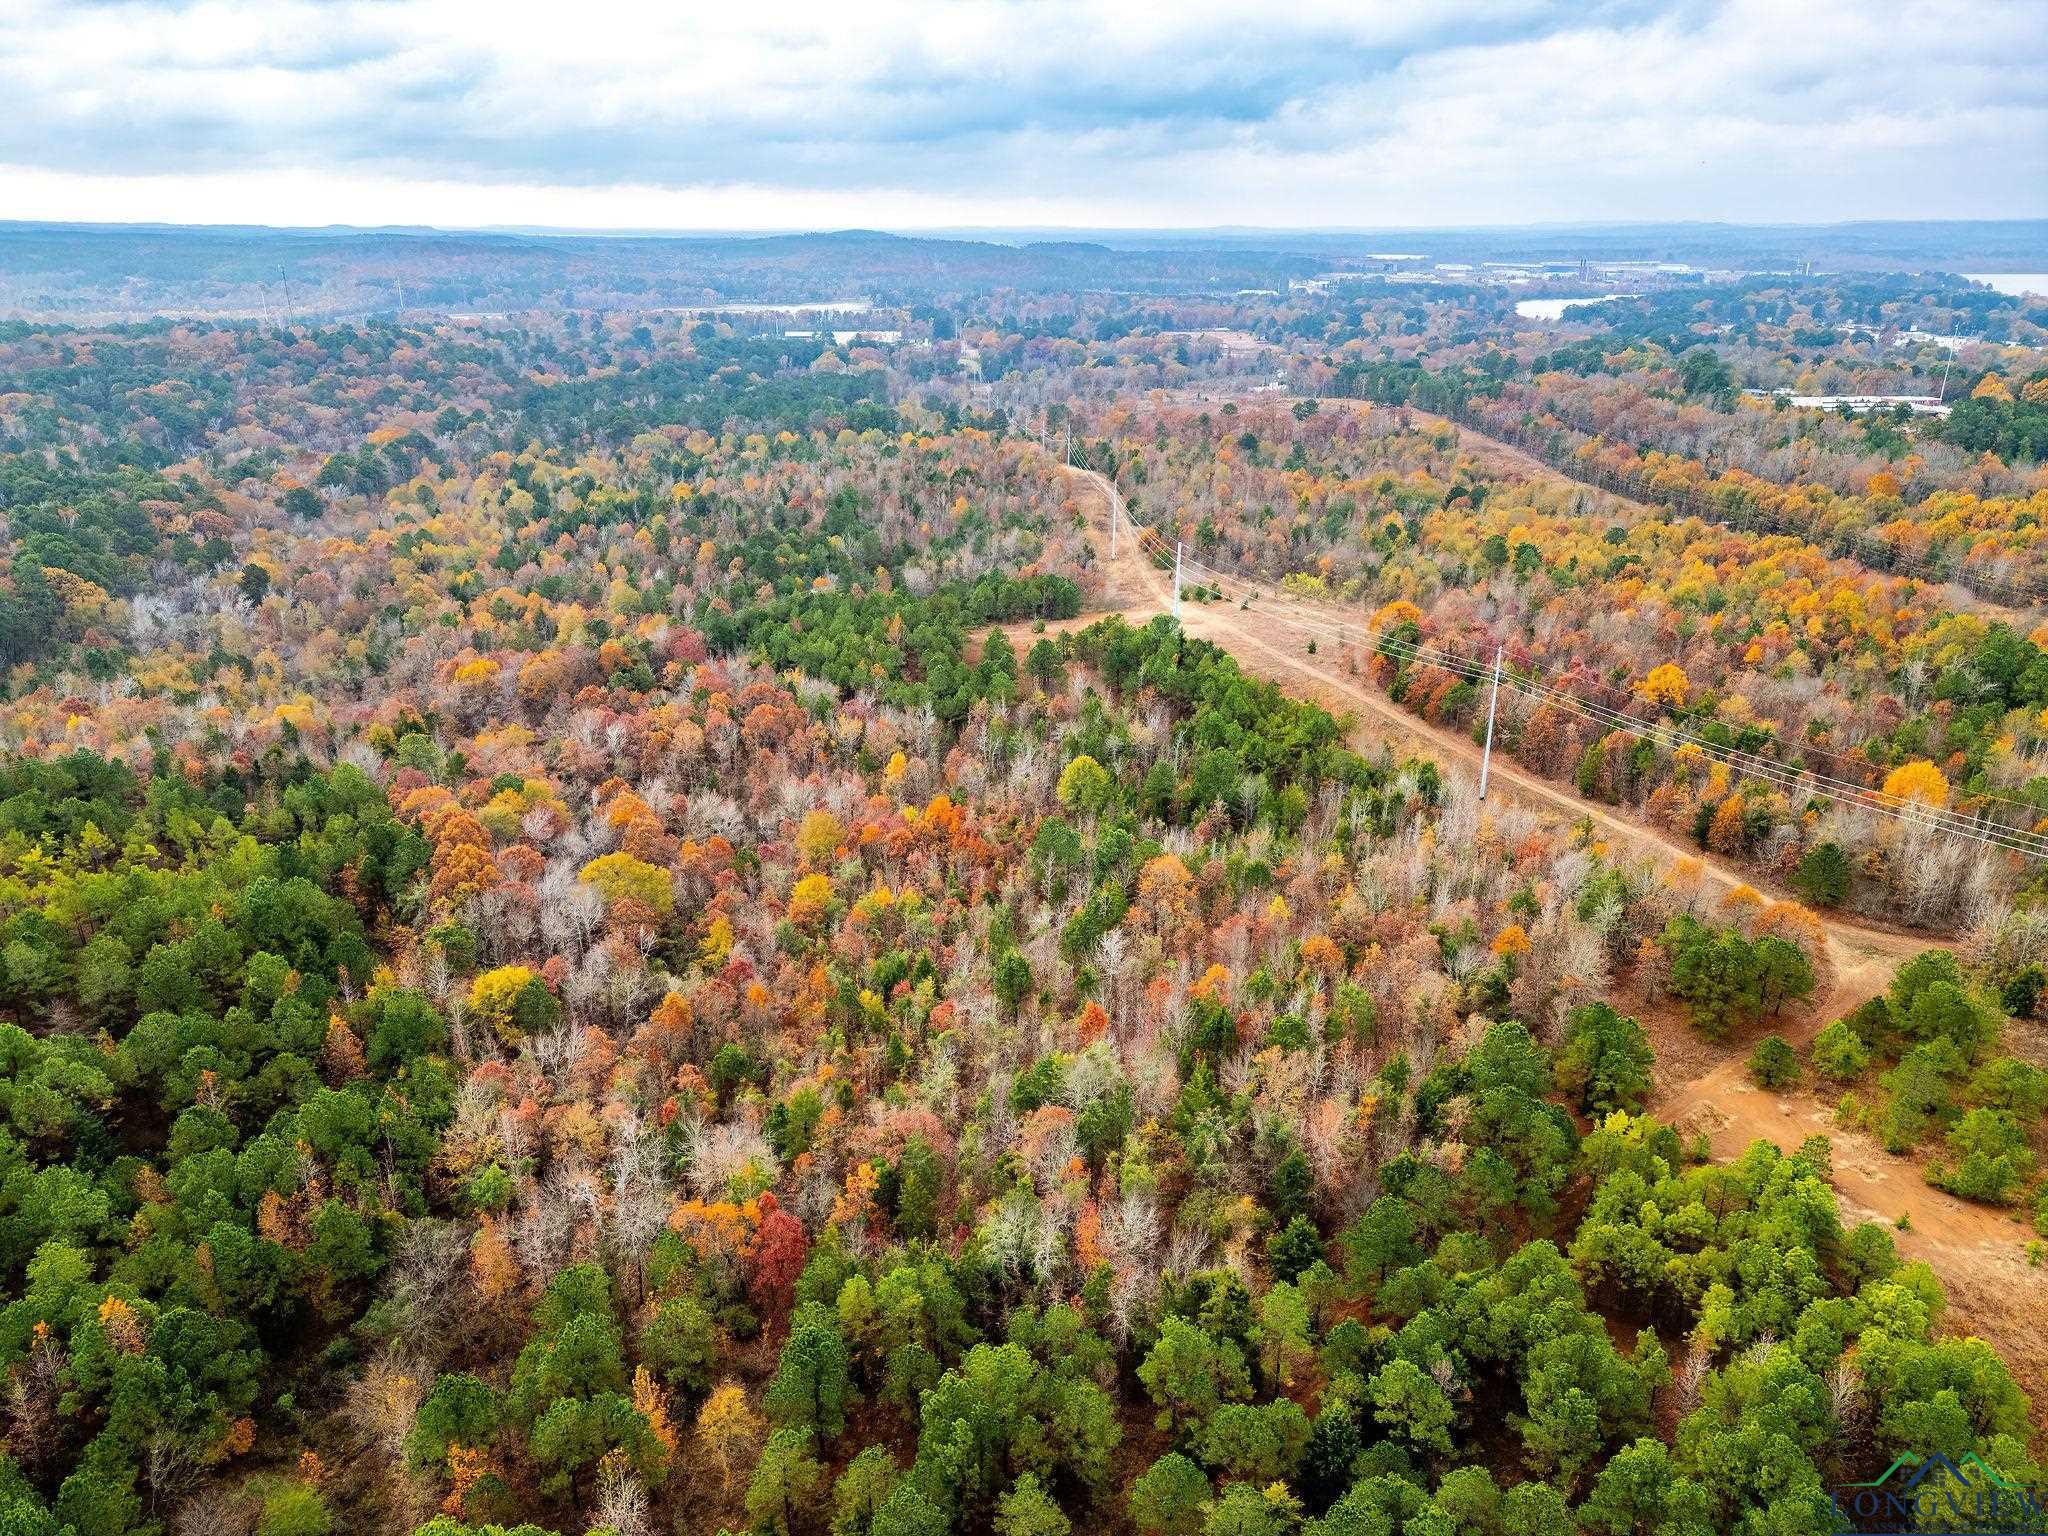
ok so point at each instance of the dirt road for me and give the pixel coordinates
(1270, 647)
(1978, 1253)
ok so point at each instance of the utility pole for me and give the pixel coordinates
(1492, 702)
(1176, 580)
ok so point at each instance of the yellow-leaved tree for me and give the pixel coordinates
(728, 1427)
(620, 876)
(1084, 785)
(716, 946)
(809, 900)
(1919, 781)
(817, 838)
(513, 1001)
(1667, 684)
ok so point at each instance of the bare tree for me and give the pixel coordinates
(429, 1284)
(1691, 1376)
(640, 1201)
(1845, 1397)
(621, 1501)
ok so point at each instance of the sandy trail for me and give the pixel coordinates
(1979, 1253)
(1269, 646)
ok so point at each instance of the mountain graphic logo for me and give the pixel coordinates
(1924, 1465)
(1906, 1497)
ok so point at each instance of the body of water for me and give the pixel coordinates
(1553, 309)
(2035, 283)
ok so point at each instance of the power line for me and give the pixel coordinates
(1472, 668)
(1797, 780)
(1801, 781)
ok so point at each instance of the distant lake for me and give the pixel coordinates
(1553, 309)
(2035, 283)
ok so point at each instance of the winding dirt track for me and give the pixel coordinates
(1978, 1252)
(1277, 650)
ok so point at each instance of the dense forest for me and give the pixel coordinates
(604, 925)
(1756, 644)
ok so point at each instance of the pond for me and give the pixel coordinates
(2035, 283)
(1553, 309)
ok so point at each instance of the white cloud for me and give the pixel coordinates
(1008, 111)
(304, 199)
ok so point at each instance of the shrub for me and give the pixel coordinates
(2007, 1083)
(292, 1509)
(1993, 1158)
(1774, 1064)
(1605, 1063)
(1823, 875)
(2022, 994)
(1839, 1052)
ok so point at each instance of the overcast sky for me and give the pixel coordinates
(775, 114)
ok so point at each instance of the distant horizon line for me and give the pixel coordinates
(962, 231)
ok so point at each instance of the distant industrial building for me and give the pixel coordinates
(1919, 405)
